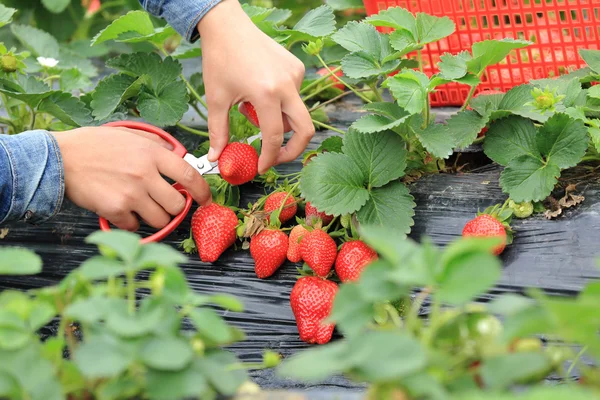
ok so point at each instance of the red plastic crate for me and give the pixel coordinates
(558, 29)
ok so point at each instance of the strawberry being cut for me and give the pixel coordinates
(269, 251)
(353, 257)
(238, 163)
(313, 215)
(319, 251)
(485, 225)
(274, 201)
(338, 84)
(296, 235)
(213, 229)
(249, 111)
(312, 300)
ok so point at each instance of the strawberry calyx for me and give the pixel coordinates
(504, 214)
(188, 245)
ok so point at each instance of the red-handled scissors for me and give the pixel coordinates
(201, 164)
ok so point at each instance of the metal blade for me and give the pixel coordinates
(202, 164)
(253, 138)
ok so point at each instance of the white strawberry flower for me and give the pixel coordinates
(47, 62)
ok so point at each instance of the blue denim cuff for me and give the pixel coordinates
(182, 15)
(32, 184)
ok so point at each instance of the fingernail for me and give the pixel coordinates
(211, 154)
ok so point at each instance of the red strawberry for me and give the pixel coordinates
(486, 226)
(338, 85)
(274, 201)
(269, 250)
(213, 229)
(293, 253)
(354, 256)
(319, 251)
(238, 163)
(312, 300)
(249, 111)
(312, 215)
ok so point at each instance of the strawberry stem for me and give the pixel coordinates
(192, 130)
(342, 81)
(331, 128)
(316, 92)
(320, 80)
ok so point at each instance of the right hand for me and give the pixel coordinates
(117, 173)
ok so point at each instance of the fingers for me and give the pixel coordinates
(301, 123)
(155, 138)
(167, 196)
(124, 220)
(269, 114)
(180, 171)
(153, 214)
(218, 129)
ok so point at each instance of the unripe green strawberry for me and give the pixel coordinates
(521, 210)
(8, 62)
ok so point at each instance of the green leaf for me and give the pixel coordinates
(509, 304)
(381, 156)
(89, 310)
(377, 354)
(13, 331)
(187, 50)
(355, 36)
(563, 140)
(125, 244)
(123, 323)
(397, 18)
(332, 144)
(501, 371)
(436, 140)
(112, 91)
(161, 72)
(339, 5)
(595, 136)
(317, 363)
(102, 357)
(211, 325)
(510, 138)
(351, 313)
(158, 36)
(99, 267)
(167, 385)
(56, 6)
(592, 58)
(454, 66)
(40, 43)
(391, 205)
(431, 29)
(18, 261)
(153, 255)
(485, 104)
(41, 314)
(409, 88)
(490, 52)
(392, 246)
(67, 109)
(27, 89)
(334, 184)
(360, 64)
(316, 23)
(459, 131)
(165, 108)
(528, 178)
(380, 123)
(455, 285)
(73, 79)
(403, 42)
(166, 353)
(517, 101)
(217, 367)
(133, 21)
(69, 60)
(6, 14)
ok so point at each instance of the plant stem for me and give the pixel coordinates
(336, 98)
(8, 122)
(342, 81)
(200, 113)
(373, 87)
(192, 130)
(313, 94)
(318, 81)
(32, 126)
(426, 112)
(575, 360)
(416, 307)
(331, 128)
(470, 96)
(131, 292)
(420, 58)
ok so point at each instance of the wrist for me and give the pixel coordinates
(226, 16)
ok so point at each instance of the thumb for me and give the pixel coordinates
(218, 130)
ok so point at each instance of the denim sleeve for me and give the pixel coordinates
(182, 15)
(32, 183)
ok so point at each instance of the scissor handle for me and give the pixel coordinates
(178, 149)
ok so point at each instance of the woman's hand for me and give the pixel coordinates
(241, 63)
(118, 174)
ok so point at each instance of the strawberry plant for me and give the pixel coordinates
(110, 344)
(463, 350)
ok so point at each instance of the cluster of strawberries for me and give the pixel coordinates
(215, 229)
